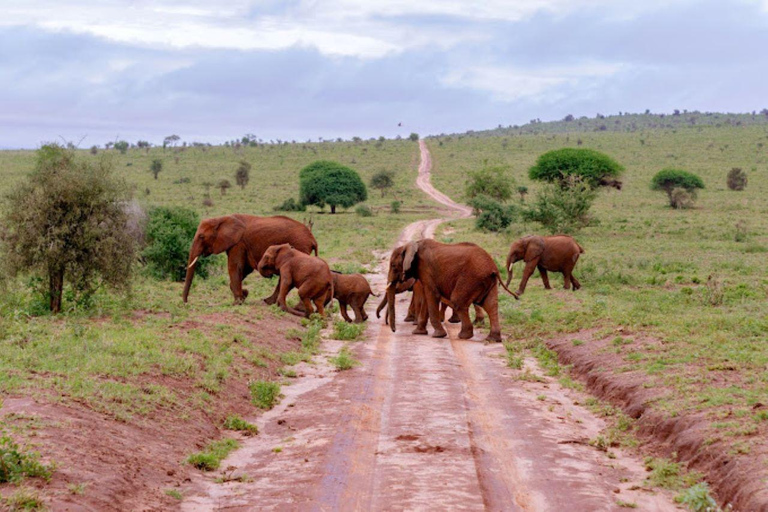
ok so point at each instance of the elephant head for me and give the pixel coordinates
(527, 248)
(402, 266)
(269, 264)
(213, 236)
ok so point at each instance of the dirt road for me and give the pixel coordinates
(424, 424)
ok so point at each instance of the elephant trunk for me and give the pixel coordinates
(381, 306)
(509, 269)
(194, 254)
(391, 305)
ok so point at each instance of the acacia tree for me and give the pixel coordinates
(243, 174)
(223, 185)
(324, 182)
(68, 222)
(382, 181)
(679, 185)
(589, 166)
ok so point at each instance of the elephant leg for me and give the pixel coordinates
(411, 316)
(491, 306)
(319, 305)
(527, 272)
(273, 298)
(361, 309)
(343, 310)
(434, 315)
(286, 285)
(576, 283)
(422, 313)
(544, 277)
(235, 269)
(566, 280)
(360, 315)
(479, 316)
(455, 317)
(467, 331)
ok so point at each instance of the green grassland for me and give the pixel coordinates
(647, 268)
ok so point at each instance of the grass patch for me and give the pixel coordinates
(348, 332)
(174, 493)
(264, 394)
(344, 360)
(514, 355)
(235, 422)
(210, 458)
(24, 498)
(15, 464)
(697, 499)
(668, 475)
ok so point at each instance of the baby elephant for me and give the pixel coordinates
(352, 290)
(557, 253)
(309, 274)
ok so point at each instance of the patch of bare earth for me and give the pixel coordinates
(129, 465)
(738, 479)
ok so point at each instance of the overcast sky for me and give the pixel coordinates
(297, 69)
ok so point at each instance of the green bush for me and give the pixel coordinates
(490, 182)
(493, 215)
(243, 174)
(591, 167)
(324, 182)
(382, 181)
(679, 185)
(264, 394)
(156, 167)
(394, 206)
(235, 422)
(347, 331)
(344, 360)
(290, 205)
(737, 179)
(169, 235)
(15, 464)
(697, 499)
(562, 210)
(122, 146)
(364, 211)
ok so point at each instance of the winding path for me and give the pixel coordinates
(424, 424)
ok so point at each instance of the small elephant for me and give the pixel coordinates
(309, 274)
(557, 253)
(352, 290)
(418, 305)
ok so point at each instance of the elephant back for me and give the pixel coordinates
(263, 232)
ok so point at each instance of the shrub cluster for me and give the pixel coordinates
(737, 179)
(492, 215)
(169, 235)
(491, 182)
(563, 210)
(290, 205)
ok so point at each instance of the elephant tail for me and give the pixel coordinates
(314, 248)
(581, 249)
(498, 278)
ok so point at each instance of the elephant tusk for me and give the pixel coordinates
(193, 262)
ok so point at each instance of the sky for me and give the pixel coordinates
(93, 71)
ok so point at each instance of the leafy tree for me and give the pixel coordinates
(737, 179)
(243, 174)
(394, 206)
(492, 215)
(414, 137)
(591, 167)
(523, 191)
(143, 144)
(67, 222)
(156, 167)
(169, 234)
(563, 209)
(382, 181)
(122, 146)
(490, 182)
(324, 182)
(223, 185)
(170, 140)
(679, 185)
(94, 150)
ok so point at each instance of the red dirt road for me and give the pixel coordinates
(424, 424)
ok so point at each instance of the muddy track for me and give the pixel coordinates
(424, 424)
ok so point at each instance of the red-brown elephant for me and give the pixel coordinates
(461, 274)
(308, 274)
(351, 290)
(558, 253)
(245, 238)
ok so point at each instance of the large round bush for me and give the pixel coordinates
(679, 185)
(591, 167)
(169, 235)
(324, 182)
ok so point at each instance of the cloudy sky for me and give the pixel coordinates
(210, 71)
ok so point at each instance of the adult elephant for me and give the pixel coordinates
(558, 253)
(245, 238)
(461, 274)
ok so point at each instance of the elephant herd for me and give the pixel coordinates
(440, 275)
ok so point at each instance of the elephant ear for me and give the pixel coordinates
(229, 232)
(410, 255)
(534, 248)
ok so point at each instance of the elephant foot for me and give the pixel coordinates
(269, 300)
(478, 322)
(419, 330)
(245, 293)
(493, 337)
(518, 294)
(454, 318)
(465, 335)
(439, 334)
(239, 300)
(410, 318)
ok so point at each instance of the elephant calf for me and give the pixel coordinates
(309, 274)
(557, 253)
(352, 290)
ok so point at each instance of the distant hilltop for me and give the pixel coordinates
(625, 122)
